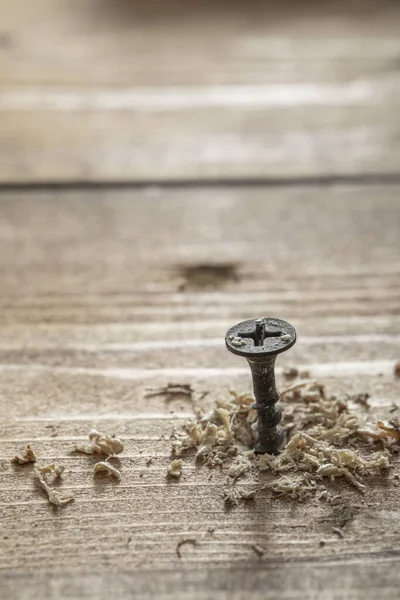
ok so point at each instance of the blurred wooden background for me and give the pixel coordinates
(162, 90)
(167, 169)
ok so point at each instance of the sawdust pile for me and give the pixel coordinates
(217, 432)
(326, 440)
(305, 454)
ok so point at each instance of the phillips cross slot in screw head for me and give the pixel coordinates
(260, 341)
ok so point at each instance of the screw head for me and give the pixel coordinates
(258, 338)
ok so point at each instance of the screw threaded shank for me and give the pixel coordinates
(270, 434)
(260, 341)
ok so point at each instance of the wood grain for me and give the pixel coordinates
(160, 91)
(107, 293)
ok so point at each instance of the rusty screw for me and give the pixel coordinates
(260, 341)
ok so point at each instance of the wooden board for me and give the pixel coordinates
(107, 293)
(170, 90)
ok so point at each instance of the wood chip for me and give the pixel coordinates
(258, 550)
(55, 470)
(248, 494)
(105, 466)
(171, 391)
(230, 494)
(181, 543)
(175, 468)
(386, 429)
(338, 532)
(101, 443)
(28, 457)
(391, 428)
(237, 470)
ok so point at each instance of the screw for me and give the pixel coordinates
(260, 341)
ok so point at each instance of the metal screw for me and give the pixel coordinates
(260, 341)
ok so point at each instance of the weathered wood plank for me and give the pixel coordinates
(195, 353)
(202, 143)
(258, 239)
(105, 294)
(53, 394)
(138, 91)
(277, 579)
(176, 42)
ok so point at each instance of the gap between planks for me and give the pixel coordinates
(337, 369)
(191, 343)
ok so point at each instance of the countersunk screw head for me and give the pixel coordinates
(258, 338)
(260, 341)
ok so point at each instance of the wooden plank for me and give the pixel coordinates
(90, 92)
(141, 42)
(92, 242)
(107, 293)
(273, 579)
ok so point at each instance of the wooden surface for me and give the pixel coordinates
(91, 316)
(198, 90)
(107, 290)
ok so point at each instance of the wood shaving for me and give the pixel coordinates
(391, 428)
(386, 429)
(324, 443)
(367, 431)
(338, 532)
(237, 470)
(236, 340)
(258, 550)
(176, 447)
(216, 433)
(232, 495)
(225, 416)
(175, 468)
(28, 457)
(182, 543)
(296, 486)
(101, 443)
(105, 466)
(324, 417)
(307, 454)
(171, 391)
(208, 439)
(248, 494)
(55, 470)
